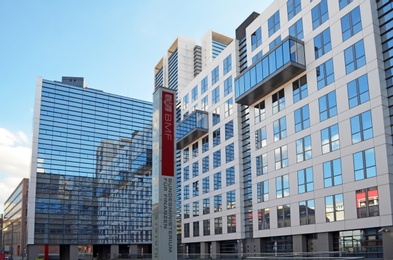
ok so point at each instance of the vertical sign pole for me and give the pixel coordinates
(164, 179)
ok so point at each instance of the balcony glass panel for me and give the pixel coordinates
(191, 128)
(279, 65)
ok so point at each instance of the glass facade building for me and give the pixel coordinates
(91, 169)
(14, 225)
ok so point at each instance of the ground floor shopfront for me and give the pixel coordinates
(369, 243)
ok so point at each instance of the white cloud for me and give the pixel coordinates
(15, 157)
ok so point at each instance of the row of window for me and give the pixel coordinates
(215, 76)
(363, 161)
(231, 227)
(358, 90)
(217, 207)
(361, 128)
(364, 168)
(217, 182)
(350, 24)
(229, 156)
(216, 136)
(367, 205)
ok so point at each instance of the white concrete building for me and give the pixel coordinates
(285, 137)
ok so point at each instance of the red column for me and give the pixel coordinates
(46, 254)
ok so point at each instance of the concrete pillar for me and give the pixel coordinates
(324, 243)
(74, 252)
(252, 246)
(133, 251)
(204, 250)
(387, 242)
(299, 243)
(32, 252)
(114, 251)
(215, 249)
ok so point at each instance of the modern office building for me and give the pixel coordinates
(183, 61)
(15, 220)
(90, 185)
(285, 133)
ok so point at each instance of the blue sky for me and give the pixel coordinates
(113, 44)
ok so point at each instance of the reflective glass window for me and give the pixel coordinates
(307, 212)
(194, 93)
(343, 3)
(231, 199)
(230, 176)
(218, 203)
(227, 64)
(278, 99)
(355, 57)
(303, 149)
(330, 139)
(367, 202)
(325, 74)
(302, 118)
(327, 106)
(204, 85)
(332, 174)
(217, 181)
(282, 186)
(259, 112)
(263, 219)
(228, 86)
(279, 128)
(284, 216)
(361, 127)
(216, 95)
(364, 164)
(215, 75)
(296, 30)
(305, 180)
(319, 14)
(260, 138)
(205, 164)
(334, 207)
(263, 191)
(217, 159)
(351, 24)
(229, 130)
(358, 91)
(281, 157)
(256, 39)
(205, 185)
(274, 23)
(261, 164)
(293, 8)
(322, 43)
(229, 152)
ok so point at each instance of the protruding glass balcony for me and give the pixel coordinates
(276, 67)
(191, 128)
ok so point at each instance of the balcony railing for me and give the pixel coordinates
(191, 128)
(276, 67)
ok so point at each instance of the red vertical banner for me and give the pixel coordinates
(168, 134)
